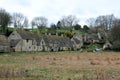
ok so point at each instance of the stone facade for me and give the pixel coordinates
(21, 40)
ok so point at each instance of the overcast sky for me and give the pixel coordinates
(55, 9)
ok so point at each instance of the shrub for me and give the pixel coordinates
(116, 45)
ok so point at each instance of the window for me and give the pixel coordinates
(42, 42)
(32, 42)
(27, 40)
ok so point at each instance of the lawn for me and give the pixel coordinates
(60, 66)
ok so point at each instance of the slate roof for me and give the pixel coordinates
(50, 40)
(65, 42)
(92, 36)
(3, 37)
(3, 41)
(60, 41)
(36, 37)
(24, 34)
(77, 35)
(76, 40)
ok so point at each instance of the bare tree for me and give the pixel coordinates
(4, 20)
(58, 25)
(105, 21)
(114, 35)
(32, 24)
(39, 22)
(68, 21)
(91, 22)
(18, 19)
(25, 22)
(111, 18)
(115, 31)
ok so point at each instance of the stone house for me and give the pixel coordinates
(90, 38)
(107, 45)
(4, 44)
(20, 40)
(76, 44)
(77, 39)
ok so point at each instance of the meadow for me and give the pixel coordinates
(66, 65)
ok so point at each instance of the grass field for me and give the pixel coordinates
(60, 66)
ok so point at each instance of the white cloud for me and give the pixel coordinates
(55, 9)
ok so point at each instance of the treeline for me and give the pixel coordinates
(18, 20)
(107, 24)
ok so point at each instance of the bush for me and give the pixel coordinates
(115, 36)
(91, 47)
(116, 45)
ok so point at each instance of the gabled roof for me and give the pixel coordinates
(36, 37)
(92, 36)
(24, 34)
(76, 41)
(77, 35)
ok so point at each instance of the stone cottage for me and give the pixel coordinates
(77, 39)
(20, 40)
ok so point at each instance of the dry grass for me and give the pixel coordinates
(61, 66)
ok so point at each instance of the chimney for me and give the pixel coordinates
(62, 35)
(56, 34)
(22, 28)
(45, 33)
(49, 34)
(99, 36)
(38, 32)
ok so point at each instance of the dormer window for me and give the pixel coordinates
(42, 42)
(32, 42)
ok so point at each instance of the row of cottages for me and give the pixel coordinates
(92, 38)
(4, 44)
(97, 39)
(21, 40)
